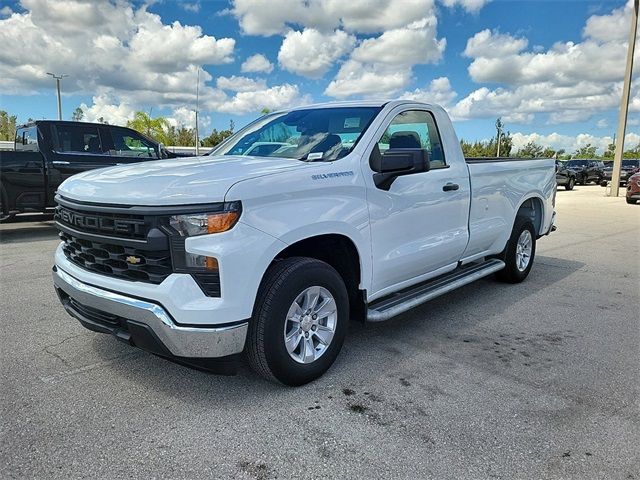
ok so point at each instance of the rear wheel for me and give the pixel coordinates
(570, 184)
(631, 201)
(5, 216)
(519, 253)
(299, 321)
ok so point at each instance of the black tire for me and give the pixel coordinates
(5, 217)
(282, 283)
(570, 184)
(511, 273)
(631, 201)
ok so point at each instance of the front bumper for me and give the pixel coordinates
(145, 324)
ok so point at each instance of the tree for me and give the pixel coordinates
(588, 151)
(153, 127)
(531, 150)
(77, 115)
(183, 136)
(549, 153)
(610, 151)
(217, 137)
(265, 111)
(7, 126)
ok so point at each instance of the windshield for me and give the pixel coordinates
(314, 134)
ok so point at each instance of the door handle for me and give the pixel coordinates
(60, 162)
(450, 187)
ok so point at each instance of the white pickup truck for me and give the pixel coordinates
(357, 210)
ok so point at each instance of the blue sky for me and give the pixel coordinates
(551, 69)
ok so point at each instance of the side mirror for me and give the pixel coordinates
(162, 152)
(396, 162)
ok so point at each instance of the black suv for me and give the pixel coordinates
(565, 177)
(587, 170)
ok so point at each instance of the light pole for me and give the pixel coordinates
(58, 78)
(197, 106)
(624, 104)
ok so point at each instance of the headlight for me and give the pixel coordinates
(204, 269)
(193, 224)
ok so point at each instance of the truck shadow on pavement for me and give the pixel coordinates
(454, 327)
(31, 228)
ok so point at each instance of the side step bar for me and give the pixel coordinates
(407, 299)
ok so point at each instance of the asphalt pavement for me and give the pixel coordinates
(536, 380)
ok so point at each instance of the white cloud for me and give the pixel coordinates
(273, 98)
(356, 78)
(570, 143)
(191, 7)
(257, 63)
(472, 6)
(104, 108)
(438, 91)
(489, 44)
(569, 82)
(602, 123)
(106, 47)
(414, 44)
(311, 53)
(382, 66)
(612, 27)
(240, 84)
(5, 11)
(270, 17)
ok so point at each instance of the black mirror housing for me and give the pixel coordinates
(396, 162)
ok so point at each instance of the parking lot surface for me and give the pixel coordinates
(536, 380)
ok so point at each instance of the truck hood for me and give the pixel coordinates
(177, 181)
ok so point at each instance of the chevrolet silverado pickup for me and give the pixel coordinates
(361, 210)
(47, 152)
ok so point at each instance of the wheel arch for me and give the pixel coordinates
(339, 251)
(532, 207)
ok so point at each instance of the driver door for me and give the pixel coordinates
(419, 226)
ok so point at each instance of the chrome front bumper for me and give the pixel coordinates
(180, 341)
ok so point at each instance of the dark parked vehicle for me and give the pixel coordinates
(565, 176)
(587, 170)
(48, 152)
(629, 167)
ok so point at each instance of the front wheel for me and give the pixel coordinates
(570, 184)
(631, 201)
(519, 253)
(299, 321)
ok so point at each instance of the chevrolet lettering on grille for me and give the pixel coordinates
(98, 223)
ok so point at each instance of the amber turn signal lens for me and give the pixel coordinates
(221, 222)
(211, 263)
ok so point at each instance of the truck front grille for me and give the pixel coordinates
(127, 242)
(127, 262)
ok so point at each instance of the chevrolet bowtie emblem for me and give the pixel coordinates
(133, 260)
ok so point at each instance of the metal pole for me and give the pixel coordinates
(624, 105)
(59, 100)
(197, 106)
(58, 78)
(499, 134)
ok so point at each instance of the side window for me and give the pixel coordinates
(27, 139)
(414, 129)
(130, 144)
(78, 139)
